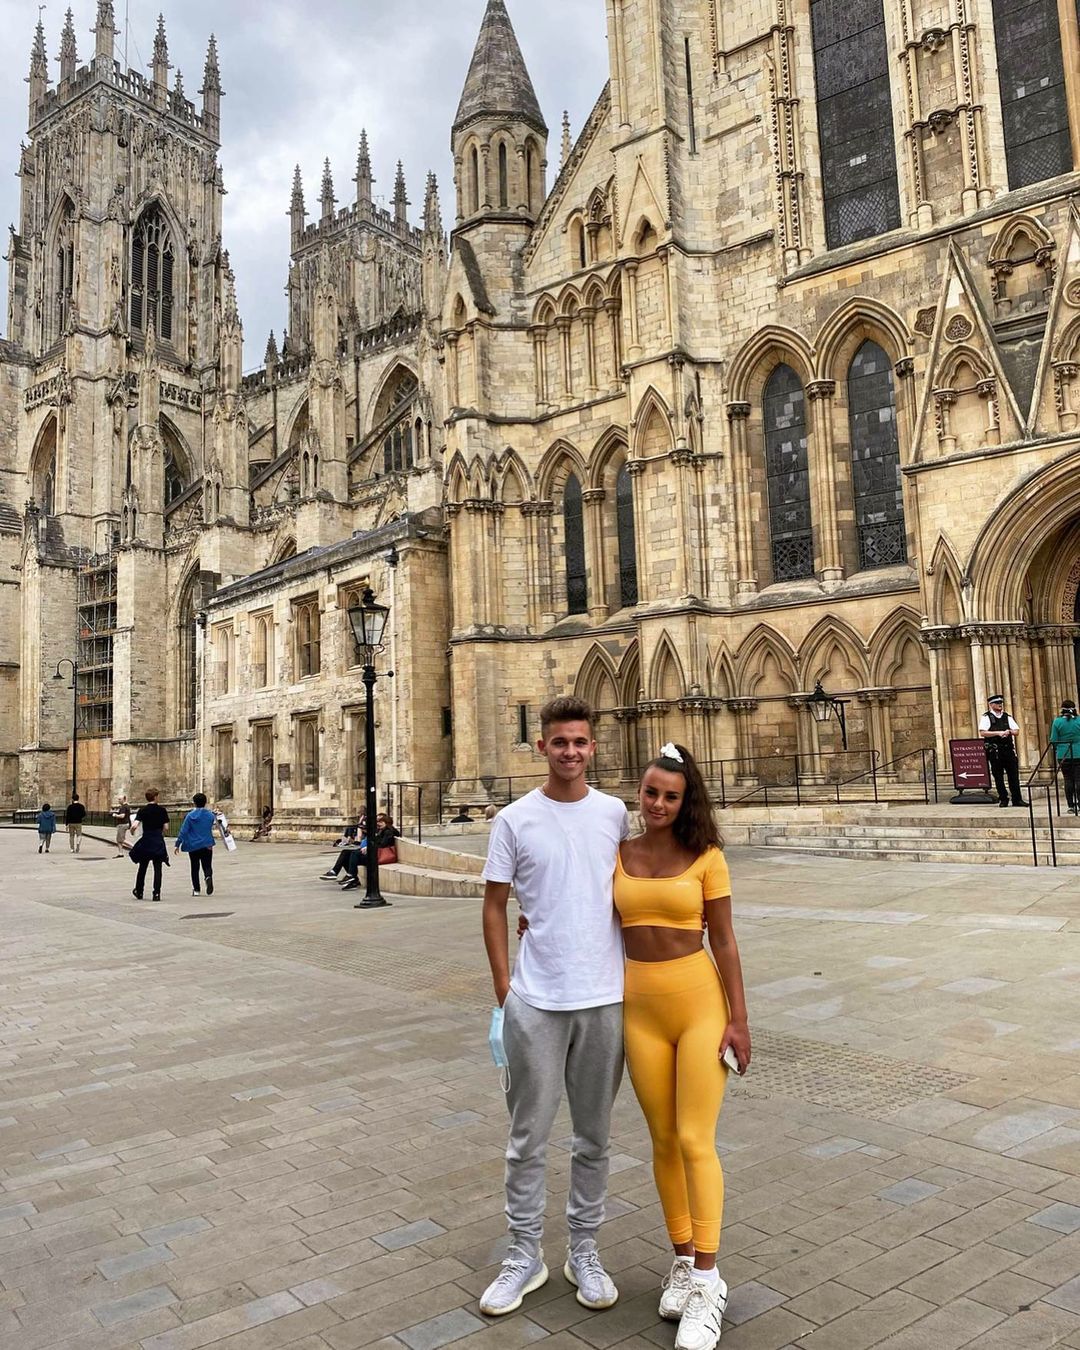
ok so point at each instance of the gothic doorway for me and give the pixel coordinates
(262, 752)
(1076, 639)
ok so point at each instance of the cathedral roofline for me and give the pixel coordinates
(358, 213)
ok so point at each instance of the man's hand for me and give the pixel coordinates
(502, 988)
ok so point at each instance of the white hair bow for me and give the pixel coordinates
(669, 752)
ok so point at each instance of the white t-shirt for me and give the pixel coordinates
(560, 857)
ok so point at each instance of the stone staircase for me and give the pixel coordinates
(907, 833)
(424, 870)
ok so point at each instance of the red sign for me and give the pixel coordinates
(969, 766)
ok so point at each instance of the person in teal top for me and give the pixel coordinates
(46, 827)
(1065, 738)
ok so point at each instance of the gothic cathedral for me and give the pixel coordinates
(776, 382)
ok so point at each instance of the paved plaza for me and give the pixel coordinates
(267, 1119)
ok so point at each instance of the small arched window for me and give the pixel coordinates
(188, 673)
(308, 657)
(577, 590)
(474, 180)
(532, 178)
(504, 177)
(788, 477)
(875, 459)
(174, 479)
(577, 243)
(624, 512)
(151, 280)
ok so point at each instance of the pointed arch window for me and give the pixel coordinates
(504, 177)
(577, 590)
(855, 123)
(624, 514)
(788, 477)
(151, 280)
(875, 459)
(187, 684)
(64, 262)
(474, 181)
(1031, 77)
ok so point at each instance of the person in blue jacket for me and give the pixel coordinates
(196, 839)
(46, 828)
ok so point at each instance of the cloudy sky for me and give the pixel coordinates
(301, 78)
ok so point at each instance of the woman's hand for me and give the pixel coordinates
(737, 1035)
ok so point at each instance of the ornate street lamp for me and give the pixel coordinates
(67, 661)
(823, 706)
(369, 625)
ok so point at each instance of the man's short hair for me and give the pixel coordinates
(565, 709)
(199, 799)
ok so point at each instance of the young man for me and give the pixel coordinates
(563, 1006)
(121, 813)
(74, 816)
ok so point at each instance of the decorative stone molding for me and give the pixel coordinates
(924, 321)
(817, 389)
(738, 411)
(742, 706)
(958, 328)
(905, 368)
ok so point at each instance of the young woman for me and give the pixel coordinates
(680, 1014)
(386, 836)
(150, 848)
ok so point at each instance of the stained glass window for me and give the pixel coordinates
(151, 282)
(624, 511)
(1031, 77)
(577, 591)
(875, 459)
(788, 476)
(855, 124)
(189, 675)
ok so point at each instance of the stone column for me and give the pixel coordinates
(635, 468)
(937, 641)
(680, 461)
(744, 708)
(543, 514)
(593, 499)
(988, 392)
(562, 323)
(614, 310)
(823, 482)
(453, 370)
(943, 403)
(808, 739)
(877, 701)
(630, 270)
(538, 333)
(746, 582)
(588, 319)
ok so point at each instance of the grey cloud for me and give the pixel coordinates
(300, 82)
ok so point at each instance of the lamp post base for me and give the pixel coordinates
(372, 902)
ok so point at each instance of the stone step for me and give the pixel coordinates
(930, 855)
(962, 838)
(409, 879)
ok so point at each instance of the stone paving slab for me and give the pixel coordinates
(280, 1127)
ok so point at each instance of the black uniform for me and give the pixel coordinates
(1001, 754)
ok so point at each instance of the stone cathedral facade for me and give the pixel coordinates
(774, 377)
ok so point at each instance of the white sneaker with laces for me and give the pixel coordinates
(676, 1289)
(520, 1275)
(584, 1270)
(699, 1326)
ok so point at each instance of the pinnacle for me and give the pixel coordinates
(297, 203)
(37, 52)
(566, 141)
(399, 184)
(498, 81)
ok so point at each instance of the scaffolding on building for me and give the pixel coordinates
(96, 607)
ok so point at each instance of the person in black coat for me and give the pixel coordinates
(386, 836)
(150, 845)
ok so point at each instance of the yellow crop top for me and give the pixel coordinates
(672, 902)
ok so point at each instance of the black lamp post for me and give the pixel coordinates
(67, 661)
(823, 706)
(369, 624)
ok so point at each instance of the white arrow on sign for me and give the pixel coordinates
(970, 775)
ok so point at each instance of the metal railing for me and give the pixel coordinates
(884, 782)
(1050, 784)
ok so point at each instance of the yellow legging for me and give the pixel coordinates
(674, 1016)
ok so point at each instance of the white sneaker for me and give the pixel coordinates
(676, 1288)
(595, 1287)
(699, 1326)
(520, 1275)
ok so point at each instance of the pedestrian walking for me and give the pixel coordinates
(150, 845)
(46, 827)
(999, 732)
(559, 1016)
(121, 813)
(1065, 738)
(196, 839)
(74, 815)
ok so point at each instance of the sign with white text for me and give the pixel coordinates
(969, 766)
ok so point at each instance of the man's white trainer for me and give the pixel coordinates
(519, 1275)
(699, 1326)
(595, 1288)
(676, 1288)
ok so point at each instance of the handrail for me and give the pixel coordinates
(1031, 787)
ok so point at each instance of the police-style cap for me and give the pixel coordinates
(995, 698)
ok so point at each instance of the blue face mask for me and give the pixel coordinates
(495, 1039)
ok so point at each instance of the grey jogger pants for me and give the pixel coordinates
(582, 1050)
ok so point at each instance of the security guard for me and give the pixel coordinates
(998, 731)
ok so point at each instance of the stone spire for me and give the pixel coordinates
(178, 87)
(69, 56)
(498, 83)
(363, 179)
(105, 34)
(401, 200)
(271, 356)
(433, 225)
(39, 68)
(297, 211)
(566, 142)
(326, 196)
(211, 89)
(161, 65)
(149, 379)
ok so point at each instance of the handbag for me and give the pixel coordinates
(229, 842)
(387, 856)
